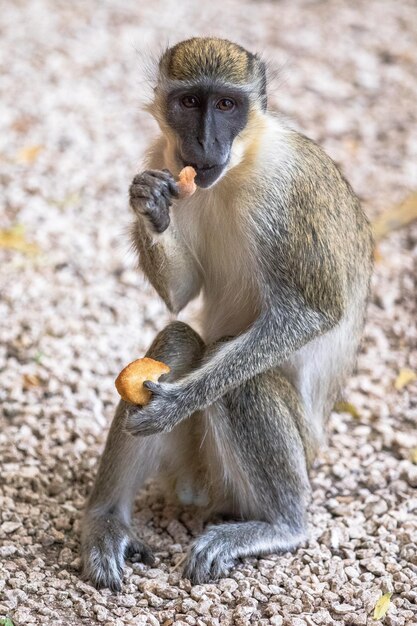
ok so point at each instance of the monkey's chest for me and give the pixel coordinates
(229, 286)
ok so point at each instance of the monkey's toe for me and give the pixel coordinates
(104, 569)
(209, 559)
(139, 549)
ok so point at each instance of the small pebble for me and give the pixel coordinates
(72, 136)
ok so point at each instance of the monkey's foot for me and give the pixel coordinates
(106, 541)
(218, 549)
(212, 555)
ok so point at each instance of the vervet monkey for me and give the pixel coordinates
(276, 243)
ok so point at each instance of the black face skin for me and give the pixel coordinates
(206, 120)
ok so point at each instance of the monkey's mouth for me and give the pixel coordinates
(208, 174)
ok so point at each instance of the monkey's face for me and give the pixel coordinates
(205, 122)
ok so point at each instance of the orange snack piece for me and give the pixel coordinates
(129, 382)
(186, 182)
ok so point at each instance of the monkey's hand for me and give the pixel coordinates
(151, 194)
(167, 408)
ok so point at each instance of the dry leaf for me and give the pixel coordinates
(14, 239)
(30, 380)
(29, 154)
(413, 456)
(346, 407)
(382, 606)
(404, 377)
(396, 217)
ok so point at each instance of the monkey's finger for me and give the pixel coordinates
(161, 192)
(144, 428)
(161, 205)
(147, 179)
(166, 176)
(159, 218)
(157, 179)
(140, 191)
(157, 185)
(173, 185)
(153, 387)
(162, 391)
(144, 206)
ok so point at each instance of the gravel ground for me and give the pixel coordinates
(71, 138)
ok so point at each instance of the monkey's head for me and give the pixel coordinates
(207, 89)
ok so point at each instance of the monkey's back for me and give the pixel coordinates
(331, 252)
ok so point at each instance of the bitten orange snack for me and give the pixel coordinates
(129, 382)
(186, 182)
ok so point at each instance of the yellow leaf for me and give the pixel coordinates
(404, 377)
(29, 154)
(346, 407)
(14, 239)
(30, 380)
(382, 606)
(413, 456)
(396, 217)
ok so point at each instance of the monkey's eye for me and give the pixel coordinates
(190, 102)
(225, 104)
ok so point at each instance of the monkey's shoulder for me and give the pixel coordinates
(296, 187)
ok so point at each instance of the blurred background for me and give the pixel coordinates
(74, 310)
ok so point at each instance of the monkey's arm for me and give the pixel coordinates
(275, 335)
(167, 265)
(293, 314)
(163, 256)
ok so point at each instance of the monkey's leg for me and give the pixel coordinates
(258, 440)
(126, 463)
